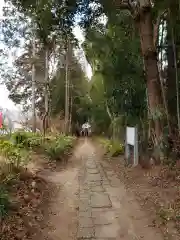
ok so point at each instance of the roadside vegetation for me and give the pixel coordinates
(112, 148)
(17, 152)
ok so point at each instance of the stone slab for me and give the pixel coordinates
(93, 170)
(101, 210)
(110, 173)
(100, 200)
(85, 233)
(84, 207)
(103, 239)
(91, 166)
(106, 183)
(85, 222)
(93, 177)
(97, 189)
(96, 183)
(107, 231)
(106, 217)
(85, 214)
(84, 187)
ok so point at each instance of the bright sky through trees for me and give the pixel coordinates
(5, 102)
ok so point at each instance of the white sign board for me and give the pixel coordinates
(132, 139)
(130, 136)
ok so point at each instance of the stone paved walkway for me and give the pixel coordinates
(105, 209)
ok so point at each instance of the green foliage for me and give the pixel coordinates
(116, 149)
(118, 86)
(34, 142)
(50, 23)
(112, 147)
(19, 137)
(54, 146)
(58, 148)
(12, 158)
(26, 139)
(78, 92)
(4, 202)
(13, 154)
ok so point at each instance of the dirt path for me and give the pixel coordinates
(90, 202)
(106, 210)
(60, 212)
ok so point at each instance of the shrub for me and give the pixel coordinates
(113, 148)
(13, 154)
(54, 146)
(116, 149)
(34, 142)
(4, 202)
(19, 137)
(22, 138)
(59, 147)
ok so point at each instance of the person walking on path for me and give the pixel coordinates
(85, 129)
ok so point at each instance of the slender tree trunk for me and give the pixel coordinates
(112, 120)
(171, 71)
(161, 37)
(34, 88)
(171, 81)
(46, 90)
(151, 67)
(177, 81)
(67, 90)
(70, 114)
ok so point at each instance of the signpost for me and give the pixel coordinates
(132, 140)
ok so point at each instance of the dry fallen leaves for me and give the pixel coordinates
(156, 189)
(27, 195)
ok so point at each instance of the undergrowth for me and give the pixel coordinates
(4, 202)
(15, 154)
(59, 147)
(113, 148)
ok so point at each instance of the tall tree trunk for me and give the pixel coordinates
(46, 90)
(171, 81)
(161, 38)
(70, 113)
(67, 89)
(176, 77)
(34, 87)
(171, 71)
(151, 66)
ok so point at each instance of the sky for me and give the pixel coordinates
(5, 102)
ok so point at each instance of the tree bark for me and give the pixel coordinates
(171, 80)
(34, 87)
(172, 16)
(151, 66)
(177, 81)
(46, 90)
(67, 90)
(70, 112)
